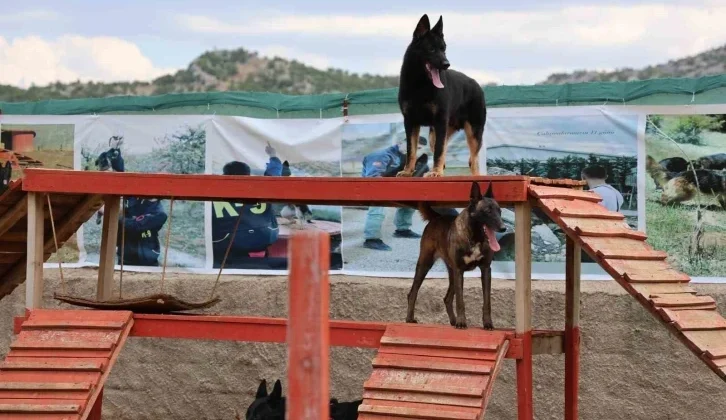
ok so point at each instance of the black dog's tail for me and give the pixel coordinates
(427, 213)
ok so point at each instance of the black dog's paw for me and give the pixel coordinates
(411, 321)
(488, 325)
(461, 324)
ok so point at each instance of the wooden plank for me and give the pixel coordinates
(678, 300)
(303, 190)
(416, 411)
(601, 228)
(100, 336)
(439, 343)
(34, 259)
(690, 320)
(412, 397)
(427, 363)
(437, 352)
(75, 324)
(45, 386)
(477, 338)
(65, 364)
(60, 353)
(650, 289)
(31, 408)
(622, 248)
(645, 271)
(13, 215)
(710, 342)
(308, 330)
(545, 192)
(70, 315)
(107, 255)
(580, 209)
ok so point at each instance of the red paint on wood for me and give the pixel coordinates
(524, 379)
(320, 190)
(308, 334)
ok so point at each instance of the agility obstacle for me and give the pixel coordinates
(420, 371)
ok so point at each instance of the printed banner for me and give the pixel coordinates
(674, 155)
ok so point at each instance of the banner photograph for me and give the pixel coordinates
(662, 167)
(686, 188)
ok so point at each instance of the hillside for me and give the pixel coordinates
(221, 70)
(244, 70)
(704, 64)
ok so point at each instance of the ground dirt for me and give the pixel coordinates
(631, 368)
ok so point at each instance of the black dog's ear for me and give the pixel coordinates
(489, 193)
(276, 394)
(438, 29)
(475, 192)
(423, 26)
(261, 390)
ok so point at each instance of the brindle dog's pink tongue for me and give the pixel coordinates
(435, 77)
(493, 244)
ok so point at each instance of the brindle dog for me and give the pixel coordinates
(464, 242)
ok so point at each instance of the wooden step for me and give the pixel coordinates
(435, 364)
(45, 386)
(413, 411)
(580, 208)
(635, 271)
(72, 324)
(694, 320)
(438, 343)
(682, 300)
(63, 364)
(40, 408)
(544, 192)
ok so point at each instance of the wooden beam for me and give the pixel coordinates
(107, 256)
(13, 215)
(572, 327)
(34, 259)
(64, 230)
(523, 306)
(308, 334)
(446, 191)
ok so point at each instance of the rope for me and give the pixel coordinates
(166, 247)
(55, 240)
(226, 254)
(123, 247)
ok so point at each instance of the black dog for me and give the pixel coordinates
(272, 406)
(463, 242)
(444, 100)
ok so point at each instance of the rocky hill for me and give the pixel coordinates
(704, 64)
(245, 70)
(221, 70)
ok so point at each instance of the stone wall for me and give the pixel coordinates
(631, 368)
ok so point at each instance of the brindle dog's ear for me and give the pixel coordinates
(475, 192)
(423, 26)
(489, 193)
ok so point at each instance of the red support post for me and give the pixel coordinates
(572, 328)
(308, 336)
(523, 306)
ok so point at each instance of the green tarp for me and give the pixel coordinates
(703, 90)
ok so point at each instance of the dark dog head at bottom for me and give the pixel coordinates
(485, 211)
(267, 406)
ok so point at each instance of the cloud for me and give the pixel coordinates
(32, 59)
(584, 26)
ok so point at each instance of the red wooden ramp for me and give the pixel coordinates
(433, 372)
(59, 362)
(641, 270)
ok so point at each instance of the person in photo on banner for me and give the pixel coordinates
(386, 163)
(258, 228)
(141, 220)
(596, 177)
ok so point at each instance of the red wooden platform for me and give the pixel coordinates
(59, 362)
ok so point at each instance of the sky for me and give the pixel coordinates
(513, 42)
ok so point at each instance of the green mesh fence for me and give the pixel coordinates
(682, 91)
